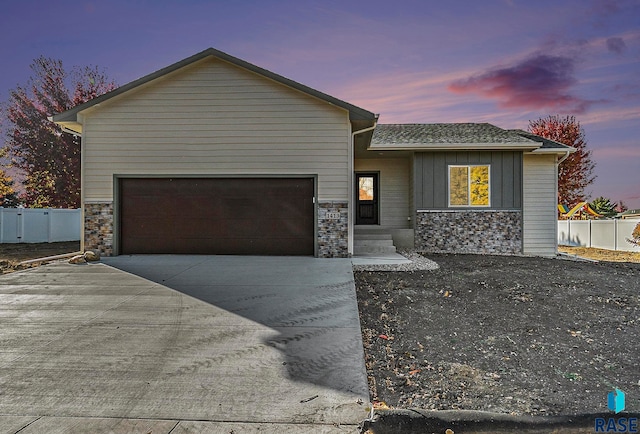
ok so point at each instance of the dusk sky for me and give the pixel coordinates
(500, 61)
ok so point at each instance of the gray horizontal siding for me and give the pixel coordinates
(394, 189)
(431, 177)
(214, 118)
(540, 205)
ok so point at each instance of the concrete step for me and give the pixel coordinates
(364, 250)
(373, 242)
(367, 241)
(370, 230)
(372, 236)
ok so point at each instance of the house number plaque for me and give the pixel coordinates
(333, 216)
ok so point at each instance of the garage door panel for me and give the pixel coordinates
(140, 226)
(285, 226)
(263, 216)
(199, 227)
(148, 245)
(189, 202)
(139, 205)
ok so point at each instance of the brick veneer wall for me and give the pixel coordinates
(469, 231)
(333, 234)
(98, 227)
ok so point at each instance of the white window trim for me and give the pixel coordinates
(469, 166)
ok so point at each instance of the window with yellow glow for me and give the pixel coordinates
(365, 188)
(469, 185)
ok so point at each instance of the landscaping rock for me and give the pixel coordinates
(91, 256)
(78, 259)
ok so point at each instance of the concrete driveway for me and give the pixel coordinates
(182, 344)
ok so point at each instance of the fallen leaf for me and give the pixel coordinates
(385, 337)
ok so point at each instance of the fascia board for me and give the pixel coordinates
(509, 146)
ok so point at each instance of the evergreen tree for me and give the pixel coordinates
(603, 206)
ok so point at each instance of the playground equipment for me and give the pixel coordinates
(581, 210)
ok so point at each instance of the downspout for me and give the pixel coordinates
(560, 161)
(352, 182)
(566, 155)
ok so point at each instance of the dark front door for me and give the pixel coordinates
(367, 199)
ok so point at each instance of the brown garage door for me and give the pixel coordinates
(225, 216)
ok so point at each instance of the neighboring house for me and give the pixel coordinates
(215, 155)
(629, 214)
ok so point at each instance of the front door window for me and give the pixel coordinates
(367, 199)
(365, 188)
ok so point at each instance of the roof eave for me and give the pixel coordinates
(72, 127)
(509, 146)
(559, 151)
(548, 145)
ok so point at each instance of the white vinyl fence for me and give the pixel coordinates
(603, 234)
(39, 225)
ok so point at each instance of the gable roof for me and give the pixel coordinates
(461, 136)
(69, 118)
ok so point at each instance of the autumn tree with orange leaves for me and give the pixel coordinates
(49, 157)
(575, 173)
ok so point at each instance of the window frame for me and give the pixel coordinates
(468, 167)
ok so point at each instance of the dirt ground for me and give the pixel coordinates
(527, 336)
(12, 254)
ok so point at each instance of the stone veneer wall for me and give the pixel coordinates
(98, 227)
(333, 233)
(469, 231)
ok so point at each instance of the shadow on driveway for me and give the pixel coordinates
(303, 307)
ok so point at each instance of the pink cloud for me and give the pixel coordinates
(399, 96)
(538, 82)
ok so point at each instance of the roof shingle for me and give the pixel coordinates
(389, 134)
(546, 143)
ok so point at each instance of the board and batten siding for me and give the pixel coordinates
(432, 177)
(540, 205)
(214, 118)
(394, 189)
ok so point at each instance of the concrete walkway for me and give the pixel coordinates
(182, 344)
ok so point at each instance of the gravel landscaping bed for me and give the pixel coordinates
(418, 263)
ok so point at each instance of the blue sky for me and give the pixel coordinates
(500, 61)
